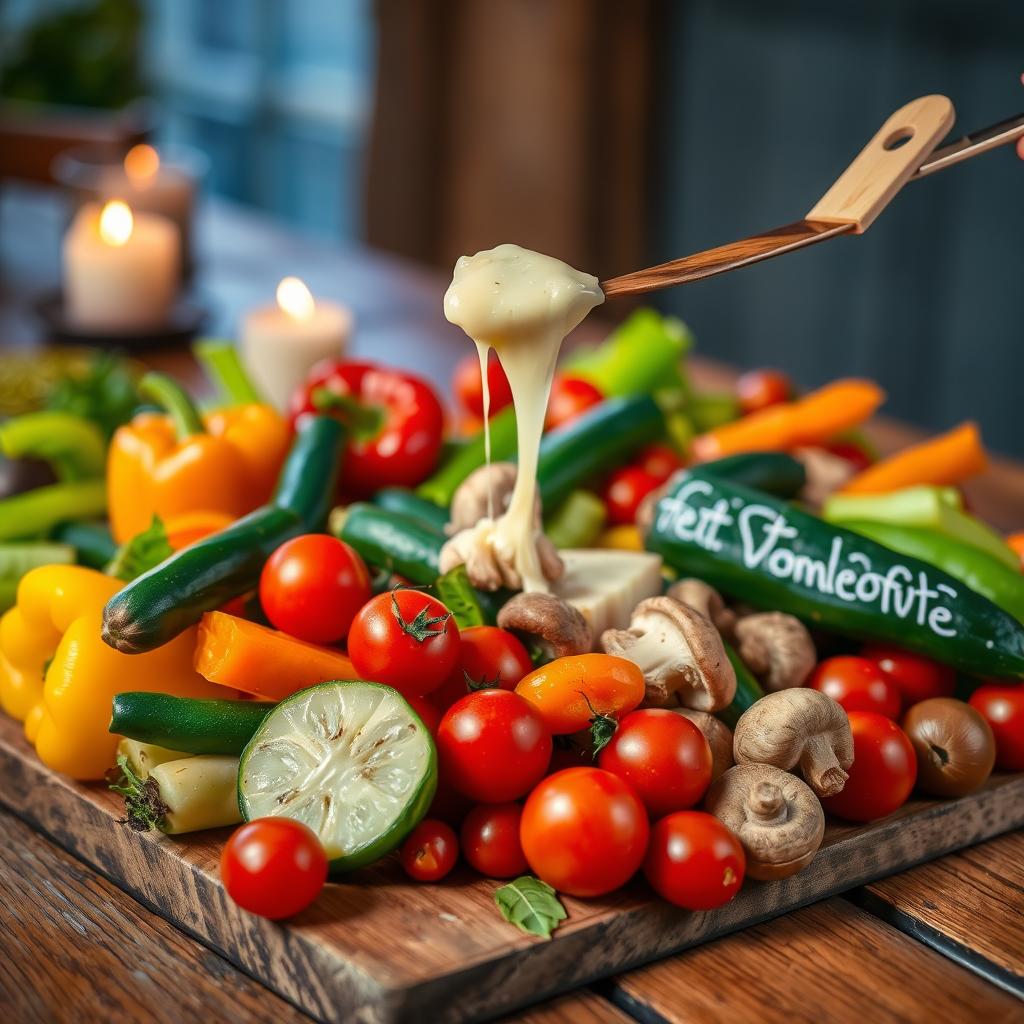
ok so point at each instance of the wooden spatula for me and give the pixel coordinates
(899, 151)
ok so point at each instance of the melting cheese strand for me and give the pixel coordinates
(482, 351)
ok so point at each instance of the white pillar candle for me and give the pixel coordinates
(121, 269)
(280, 343)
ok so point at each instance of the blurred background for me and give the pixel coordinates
(610, 134)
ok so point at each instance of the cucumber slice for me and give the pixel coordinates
(349, 759)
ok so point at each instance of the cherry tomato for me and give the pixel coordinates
(660, 460)
(394, 421)
(626, 488)
(490, 840)
(448, 804)
(492, 656)
(916, 677)
(405, 639)
(493, 746)
(313, 586)
(694, 861)
(663, 756)
(430, 851)
(853, 453)
(857, 684)
(429, 713)
(569, 691)
(584, 831)
(468, 385)
(273, 867)
(883, 772)
(760, 389)
(1003, 708)
(570, 398)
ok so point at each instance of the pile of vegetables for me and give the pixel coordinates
(238, 616)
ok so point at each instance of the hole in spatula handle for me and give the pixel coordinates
(898, 138)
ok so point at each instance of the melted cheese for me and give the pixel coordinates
(522, 304)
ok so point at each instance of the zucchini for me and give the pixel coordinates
(391, 541)
(188, 724)
(775, 555)
(168, 599)
(412, 506)
(774, 472)
(748, 689)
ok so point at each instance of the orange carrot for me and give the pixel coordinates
(246, 656)
(947, 459)
(813, 419)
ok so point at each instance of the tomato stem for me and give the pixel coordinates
(420, 628)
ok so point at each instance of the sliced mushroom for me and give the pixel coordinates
(708, 601)
(718, 735)
(470, 501)
(777, 648)
(776, 817)
(679, 652)
(559, 628)
(798, 727)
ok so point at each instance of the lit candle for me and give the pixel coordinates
(280, 343)
(121, 269)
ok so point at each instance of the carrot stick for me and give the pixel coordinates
(947, 459)
(246, 656)
(813, 419)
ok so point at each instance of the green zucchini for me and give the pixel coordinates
(391, 541)
(748, 689)
(775, 555)
(412, 506)
(165, 601)
(773, 472)
(188, 724)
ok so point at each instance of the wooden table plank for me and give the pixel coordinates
(74, 947)
(969, 906)
(582, 1007)
(829, 962)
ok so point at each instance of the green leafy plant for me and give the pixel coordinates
(143, 552)
(531, 905)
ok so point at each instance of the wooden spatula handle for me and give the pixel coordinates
(885, 163)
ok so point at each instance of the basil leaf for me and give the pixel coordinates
(531, 905)
(144, 551)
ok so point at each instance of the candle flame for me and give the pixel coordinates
(116, 223)
(295, 299)
(141, 164)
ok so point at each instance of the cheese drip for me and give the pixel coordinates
(522, 304)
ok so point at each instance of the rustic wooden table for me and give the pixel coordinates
(943, 941)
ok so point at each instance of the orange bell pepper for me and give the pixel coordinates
(172, 464)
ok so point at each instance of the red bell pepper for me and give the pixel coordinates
(395, 422)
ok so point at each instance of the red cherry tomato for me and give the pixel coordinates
(395, 421)
(467, 385)
(663, 756)
(660, 460)
(273, 867)
(694, 861)
(625, 489)
(490, 657)
(853, 453)
(858, 685)
(405, 639)
(570, 397)
(1003, 709)
(760, 389)
(430, 851)
(916, 677)
(313, 586)
(490, 840)
(493, 746)
(429, 714)
(883, 772)
(584, 831)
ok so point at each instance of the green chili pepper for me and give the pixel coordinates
(72, 445)
(36, 513)
(456, 593)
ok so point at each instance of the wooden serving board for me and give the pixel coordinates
(378, 948)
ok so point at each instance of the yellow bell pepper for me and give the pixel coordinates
(58, 676)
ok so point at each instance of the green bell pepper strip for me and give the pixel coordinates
(221, 363)
(36, 513)
(457, 594)
(72, 445)
(937, 509)
(973, 567)
(774, 555)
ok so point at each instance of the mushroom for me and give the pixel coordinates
(825, 472)
(487, 489)
(718, 735)
(491, 566)
(679, 652)
(954, 745)
(708, 601)
(775, 816)
(776, 647)
(797, 727)
(559, 628)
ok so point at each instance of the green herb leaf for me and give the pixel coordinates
(531, 905)
(602, 728)
(143, 552)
